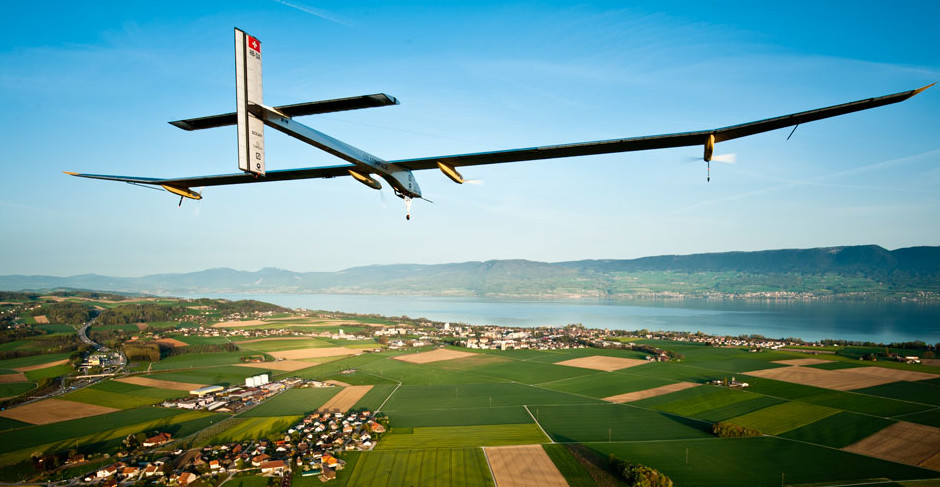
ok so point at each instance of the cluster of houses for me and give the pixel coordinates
(233, 399)
(308, 448)
(105, 360)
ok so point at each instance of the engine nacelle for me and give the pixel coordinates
(184, 192)
(450, 172)
(365, 179)
(709, 147)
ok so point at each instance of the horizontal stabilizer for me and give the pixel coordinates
(295, 110)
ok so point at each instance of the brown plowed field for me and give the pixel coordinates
(346, 398)
(599, 362)
(303, 353)
(656, 391)
(802, 361)
(41, 319)
(908, 443)
(282, 365)
(53, 411)
(840, 380)
(523, 466)
(41, 366)
(161, 384)
(432, 356)
(11, 378)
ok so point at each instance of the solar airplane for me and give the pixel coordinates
(252, 116)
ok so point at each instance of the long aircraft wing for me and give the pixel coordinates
(655, 141)
(514, 155)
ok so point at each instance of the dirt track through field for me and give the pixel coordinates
(656, 391)
(432, 356)
(54, 411)
(346, 398)
(161, 384)
(841, 379)
(282, 365)
(41, 366)
(302, 353)
(908, 443)
(523, 466)
(599, 362)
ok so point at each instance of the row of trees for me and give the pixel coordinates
(638, 475)
(730, 430)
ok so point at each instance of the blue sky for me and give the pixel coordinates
(90, 86)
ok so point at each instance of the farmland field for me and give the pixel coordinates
(455, 467)
(783, 417)
(292, 402)
(617, 422)
(442, 404)
(757, 462)
(460, 437)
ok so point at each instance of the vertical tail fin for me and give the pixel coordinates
(248, 92)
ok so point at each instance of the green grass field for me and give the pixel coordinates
(848, 401)
(292, 402)
(462, 436)
(919, 392)
(89, 395)
(458, 417)
(256, 428)
(288, 344)
(200, 360)
(568, 465)
(839, 430)
(708, 403)
(32, 360)
(758, 462)
(617, 422)
(783, 417)
(15, 389)
(455, 467)
(412, 397)
(222, 375)
(605, 384)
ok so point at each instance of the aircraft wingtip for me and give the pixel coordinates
(70, 173)
(918, 90)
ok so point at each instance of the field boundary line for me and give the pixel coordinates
(389, 397)
(537, 424)
(488, 466)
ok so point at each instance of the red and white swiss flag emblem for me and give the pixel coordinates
(254, 44)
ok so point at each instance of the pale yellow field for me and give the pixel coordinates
(346, 398)
(432, 356)
(303, 353)
(53, 411)
(841, 379)
(523, 466)
(41, 319)
(656, 391)
(599, 362)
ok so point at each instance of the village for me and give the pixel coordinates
(308, 448)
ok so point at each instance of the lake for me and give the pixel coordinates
(811, 320)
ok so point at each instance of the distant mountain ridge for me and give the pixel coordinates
(825, 271)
